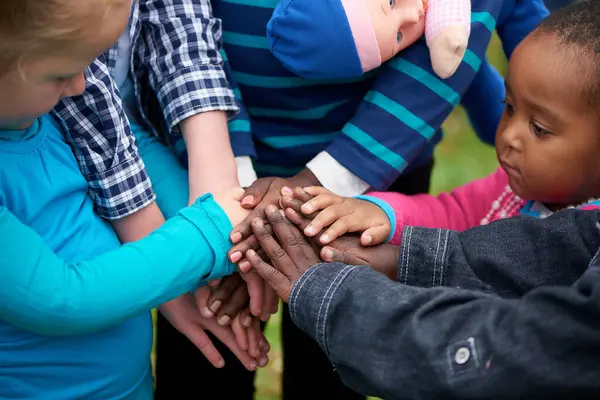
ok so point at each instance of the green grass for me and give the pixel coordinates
(459, 158)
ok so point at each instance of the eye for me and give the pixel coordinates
(392, 2)
(539, 131)
(508, 108)
(399, 37)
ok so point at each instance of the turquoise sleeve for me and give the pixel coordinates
(41, 293)
(389, 211)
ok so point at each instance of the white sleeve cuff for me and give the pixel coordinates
(335, 177)
(246, 173)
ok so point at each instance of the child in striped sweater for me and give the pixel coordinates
(547, 143)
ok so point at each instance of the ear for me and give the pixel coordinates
(447, 30)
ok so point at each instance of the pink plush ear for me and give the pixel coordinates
(447, 30)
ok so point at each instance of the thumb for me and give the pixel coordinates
(255, 193)
(330, 254)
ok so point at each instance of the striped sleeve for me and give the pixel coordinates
(404, 109)
(240, 132)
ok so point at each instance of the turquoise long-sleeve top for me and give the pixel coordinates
(74, 303)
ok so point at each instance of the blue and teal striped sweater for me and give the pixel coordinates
(378, 126)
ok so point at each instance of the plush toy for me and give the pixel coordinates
(340, 39)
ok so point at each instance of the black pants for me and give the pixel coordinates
(181, 370)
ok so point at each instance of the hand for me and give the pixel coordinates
(264, 192)
(291, 257)
(341, 215)
(183, 315)
(230, 203)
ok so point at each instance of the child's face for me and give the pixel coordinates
(397, 24)
(36, 88)
(548, 140)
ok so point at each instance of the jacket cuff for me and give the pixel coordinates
(186, 93)
(311, 296)
(423, 257)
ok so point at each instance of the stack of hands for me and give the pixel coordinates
(279, 234)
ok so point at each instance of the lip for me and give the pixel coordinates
(508, 168)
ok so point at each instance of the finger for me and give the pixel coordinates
(374, 236)
(245, 317)
(237, 252)
(255, 193)
(330, 254)
(271, 303)
(274, 251)
(228, 286)
(201, 340)
(290, 202)
(243, 230)
(241, 334)
(295, 247)
(214, 283)
(256, 287)
(298, 219)
(338, 228)
(302, 195)
(320, 202)
(253, 340)
(232, 307)
(316, 190)
(201, 297)
(327, 217)
(280, 283)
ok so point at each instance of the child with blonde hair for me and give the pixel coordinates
(74, 303)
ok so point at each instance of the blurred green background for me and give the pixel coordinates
(459, 158)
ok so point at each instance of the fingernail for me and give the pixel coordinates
(207, 312)
(247, 322)
(286, 191)
(244, 265)
(236, 256)
(236, 237)
(310, 230)
(282, 213)
(220, 363)
(224, 320)
(258, 222)
(215, 305)
(248, 200)
(252, 366)
(368, 239)
(306, 208)
(324, 238)
(263, 361)
(271, 208)
(327, 254)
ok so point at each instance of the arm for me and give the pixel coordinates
(48, 296)
(460, 209)
(191, 86)
(392, 126)
(100, 135)
(447, 342)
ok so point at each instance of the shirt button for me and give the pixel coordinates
(462, 355)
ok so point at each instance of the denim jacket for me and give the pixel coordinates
(504, 311)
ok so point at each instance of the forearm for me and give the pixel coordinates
(43, 294)
(211, 165)
(509, 257)
(138, 225)
(447, 342)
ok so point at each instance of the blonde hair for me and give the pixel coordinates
(30, 28)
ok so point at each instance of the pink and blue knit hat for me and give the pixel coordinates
(298, 27)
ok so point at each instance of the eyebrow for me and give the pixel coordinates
(544, 110)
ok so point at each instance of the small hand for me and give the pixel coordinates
(291, 257)
(263, 192)
(184, 316)
(230, 202)
(341, 215)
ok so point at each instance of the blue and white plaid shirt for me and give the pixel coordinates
(178, 72)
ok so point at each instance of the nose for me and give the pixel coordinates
(510, 136)
(75, 86)
(409, 16)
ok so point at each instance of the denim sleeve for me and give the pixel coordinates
(41, 293)
(395, 341)
(508, 258)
